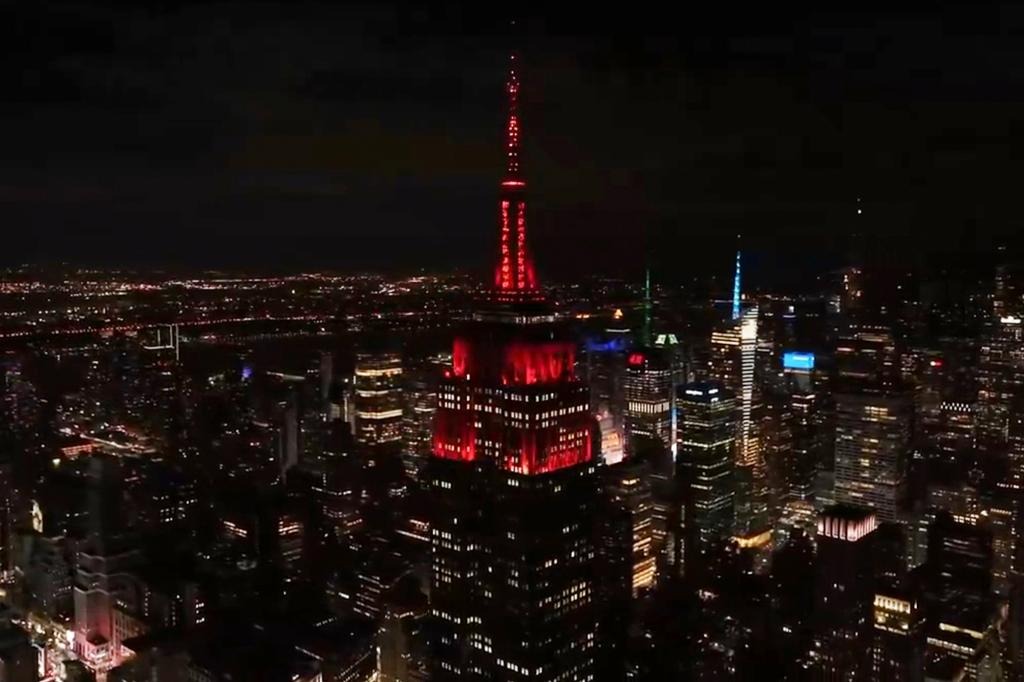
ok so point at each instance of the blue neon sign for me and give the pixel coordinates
(796, 360)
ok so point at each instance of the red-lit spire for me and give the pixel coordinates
(512, 126)
(514, 276)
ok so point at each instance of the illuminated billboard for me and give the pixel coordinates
(797, 360)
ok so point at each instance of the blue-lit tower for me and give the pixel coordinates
(736, 312)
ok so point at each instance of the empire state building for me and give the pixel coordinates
(512, 477)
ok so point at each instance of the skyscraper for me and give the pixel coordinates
(959, 561)
(959, 590)
(326, 376)
(899, 636)
(1000, 377)
(733, 359)
(705, 462)
(625, 509)
(6, 520)
(653, 369)
(844, 593)
(866, 354)
(1015, 457)
(950, 429)
(812, 442)
(379, 408)
(873, 418)
(105, 613)
(872, 435)
(648, 386)
(288, 436)
(629, 494)
(378, 398)
(749, 452)
(1008, 289)
(418, 423)
(605, 369)
(513, 478)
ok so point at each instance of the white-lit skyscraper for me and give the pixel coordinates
(749, 452)
(872, 437)
(706, 462)
(651, 377)
(732, 364)
(1000, 379)
(378, 399)
(648, 386)
(418, 426)
(873, 419)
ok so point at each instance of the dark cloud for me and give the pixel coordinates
(323, 133)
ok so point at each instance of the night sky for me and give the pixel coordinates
(298, 134)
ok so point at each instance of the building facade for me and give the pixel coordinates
(378, 398)
(706, 466)
(872, 438)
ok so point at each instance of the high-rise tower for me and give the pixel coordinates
(733, 359)
(378, 398)
(706, 463)
(873, 414)
(653, 370)
(844, 593)
(6, 520)
(1000, 377)
(513, 478)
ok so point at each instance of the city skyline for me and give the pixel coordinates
(782, 452)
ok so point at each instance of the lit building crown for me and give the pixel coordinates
(515, 277)
(846, 523)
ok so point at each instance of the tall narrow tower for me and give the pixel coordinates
(733, 358)
(514, 275)
(512, 478)
(736, 288)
